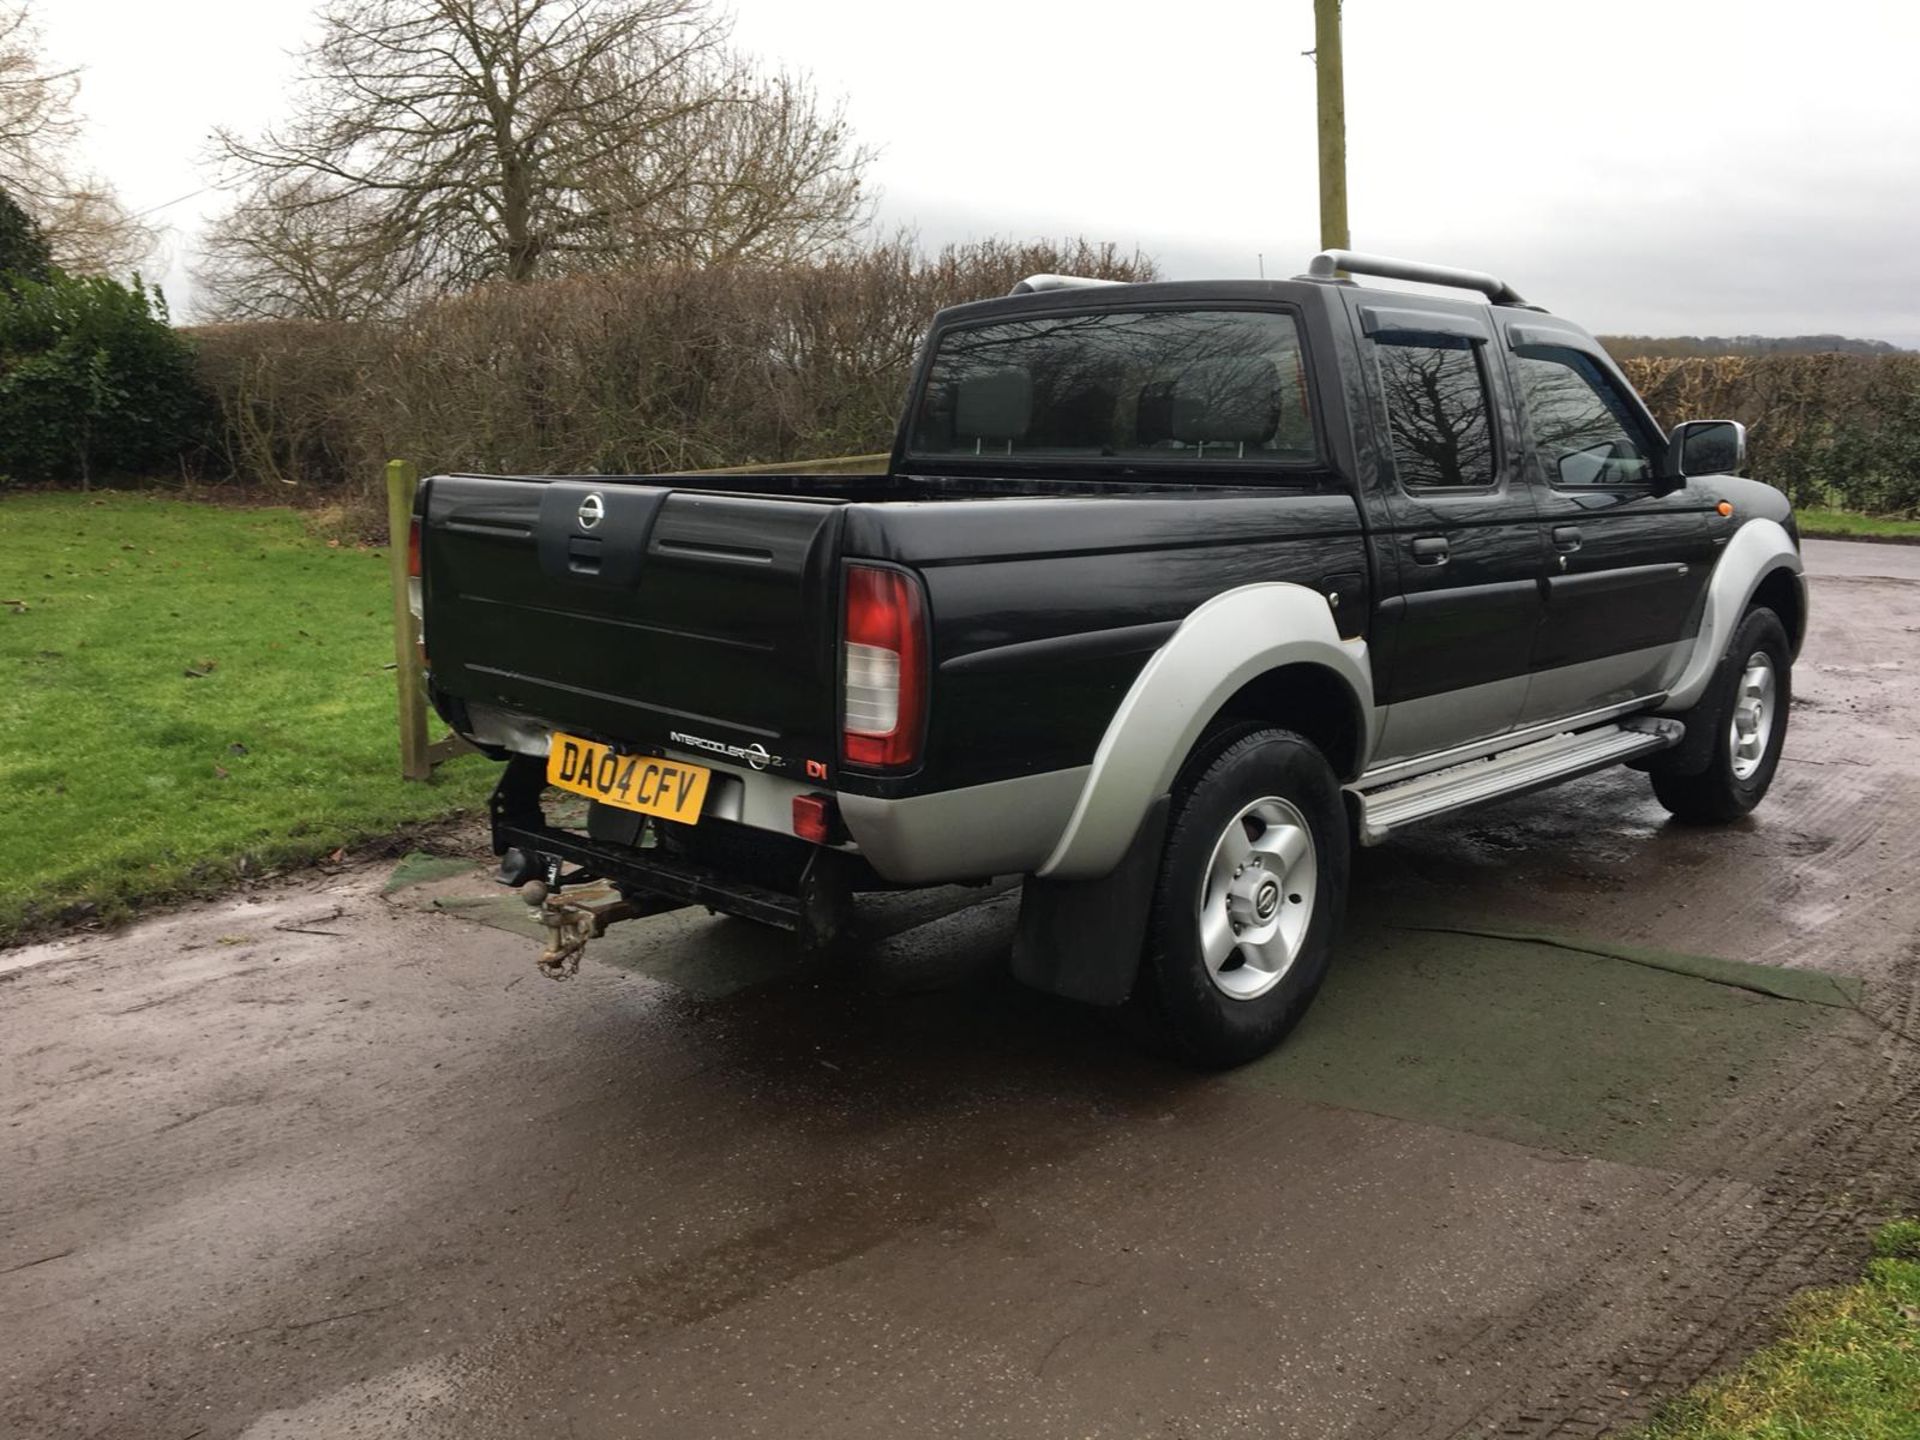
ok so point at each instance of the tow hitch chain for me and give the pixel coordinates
(570, 924)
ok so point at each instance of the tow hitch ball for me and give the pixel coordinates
(570, 924)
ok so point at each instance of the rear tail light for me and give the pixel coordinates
(415, 602)
(886, 682)
(413, 567)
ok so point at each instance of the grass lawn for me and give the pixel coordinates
(1848, 1367)
(1841, 524)
(188, 692)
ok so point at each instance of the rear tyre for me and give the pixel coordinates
(1248, 901)
(1748, 713)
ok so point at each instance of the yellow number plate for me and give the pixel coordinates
(671, 789)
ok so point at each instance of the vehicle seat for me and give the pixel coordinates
(993, 408)
(1233, 401)
(1153, 416)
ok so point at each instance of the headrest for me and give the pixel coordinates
(1232, 400)
(993, 406)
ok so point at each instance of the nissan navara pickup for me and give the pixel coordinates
(1171, 593)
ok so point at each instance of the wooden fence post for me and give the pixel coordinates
(415, 762)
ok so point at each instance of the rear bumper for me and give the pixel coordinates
(1006, 827)
(790, 896)
(738, 793)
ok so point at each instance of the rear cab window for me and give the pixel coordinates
(1438, 413)
(1198, 387)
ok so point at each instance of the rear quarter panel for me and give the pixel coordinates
(1044, 610)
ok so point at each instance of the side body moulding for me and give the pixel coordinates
(1757, 549)
(1230, 640)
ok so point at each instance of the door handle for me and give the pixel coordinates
(1566, 537)
(1430, 550)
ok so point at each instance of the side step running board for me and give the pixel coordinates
(1511, 772)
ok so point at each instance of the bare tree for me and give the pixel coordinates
(36, 104)
(760, 170)
(506, 139)
(87, 227)
(295, 247)
(92, 232)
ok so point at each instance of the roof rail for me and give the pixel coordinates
(1035, 283)
(1329, 263)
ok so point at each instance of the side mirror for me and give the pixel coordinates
(1707, 447)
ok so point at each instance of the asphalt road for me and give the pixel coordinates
(323, 1161)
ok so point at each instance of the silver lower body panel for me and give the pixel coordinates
(1006, 827)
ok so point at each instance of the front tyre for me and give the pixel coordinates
(1748, 714)
(1248, 901)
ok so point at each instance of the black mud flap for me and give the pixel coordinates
(1084, 938)
(1694, 752)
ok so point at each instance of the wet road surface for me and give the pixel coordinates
(320, 1161)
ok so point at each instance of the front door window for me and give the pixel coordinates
(1583, 429)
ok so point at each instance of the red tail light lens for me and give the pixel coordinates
(885, 667)
(415, 602)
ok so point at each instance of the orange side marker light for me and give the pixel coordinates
(1725, 507)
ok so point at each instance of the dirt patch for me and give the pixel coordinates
(461, 840)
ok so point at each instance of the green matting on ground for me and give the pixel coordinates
(417, 867)
(684, 949)
(1564, 1043)
(1561, 1043)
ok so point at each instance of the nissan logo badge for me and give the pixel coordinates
(592, 510)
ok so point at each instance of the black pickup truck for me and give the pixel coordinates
(1170, 594)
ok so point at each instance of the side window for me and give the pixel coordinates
(1584, 428)
(1437, 409)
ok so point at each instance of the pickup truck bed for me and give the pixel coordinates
(735, 593)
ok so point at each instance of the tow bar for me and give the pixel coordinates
(631, 881)
(570, 924)
(821, 919)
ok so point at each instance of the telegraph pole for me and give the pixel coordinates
(1333, 125)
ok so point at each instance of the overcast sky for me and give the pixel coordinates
(1647, 166)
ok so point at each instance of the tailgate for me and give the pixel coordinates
(635, 612)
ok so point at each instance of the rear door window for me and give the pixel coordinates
(1199, 387)
(1437, 410)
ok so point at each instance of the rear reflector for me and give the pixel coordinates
(813, 818)
(886, 685)
(413, 548)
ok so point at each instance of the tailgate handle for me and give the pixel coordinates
(596, 532)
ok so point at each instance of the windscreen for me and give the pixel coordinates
(1182, 386)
